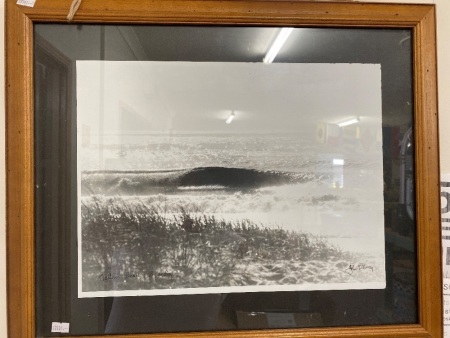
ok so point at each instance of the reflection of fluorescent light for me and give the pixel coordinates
(277, 44)
(338, 161)
(230, 118)
(348, 122)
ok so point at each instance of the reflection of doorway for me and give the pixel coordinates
(134, 130)
(53, 175)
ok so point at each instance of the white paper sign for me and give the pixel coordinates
(446, 292)
(28, 3)
(445, 223)
(445, 220)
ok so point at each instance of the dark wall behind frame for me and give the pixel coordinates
(390, 48)
(426, 314)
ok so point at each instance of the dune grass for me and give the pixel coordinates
(129, 245)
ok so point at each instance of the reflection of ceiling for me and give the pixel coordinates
(199, 96)
(391, 48)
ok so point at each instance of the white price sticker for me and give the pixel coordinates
(28, 3)
(60, 327)
(446, 292)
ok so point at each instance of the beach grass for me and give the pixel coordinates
(127, 244)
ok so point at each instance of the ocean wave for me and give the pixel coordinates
(142, 182)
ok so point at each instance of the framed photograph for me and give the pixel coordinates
(237, 169)
(217, 207)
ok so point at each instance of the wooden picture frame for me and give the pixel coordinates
(20, 133)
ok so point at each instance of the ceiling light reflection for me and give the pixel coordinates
(279, 41)
(348, 122)
(230, 118)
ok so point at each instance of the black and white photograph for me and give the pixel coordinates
(221, 177)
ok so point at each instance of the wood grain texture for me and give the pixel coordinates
(427, 173)
(399, 331)
(230, 12)
(19, 133)
(19, 171)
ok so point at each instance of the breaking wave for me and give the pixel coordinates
(144, 182)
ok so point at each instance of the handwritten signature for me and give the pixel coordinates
(358, 267)
(108, 276)
(104, 277)
(131, 275)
